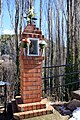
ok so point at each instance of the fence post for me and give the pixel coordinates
(5, 98)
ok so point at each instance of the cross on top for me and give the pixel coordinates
(31, 15)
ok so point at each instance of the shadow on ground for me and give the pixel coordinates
(6, 116)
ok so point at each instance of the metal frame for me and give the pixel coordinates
(46, 79)
(37, 40)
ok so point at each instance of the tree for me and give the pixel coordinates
(16, 32)
(40, 14)
(0, 7)
(52, 52)
(21, 17)
(76, 50)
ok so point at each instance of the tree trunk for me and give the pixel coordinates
(76, 52)
(21, 17)
(16, 31)
(49, 43)
(52, 53)
(0, 7)
(40, 14)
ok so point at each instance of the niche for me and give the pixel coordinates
(33, 48)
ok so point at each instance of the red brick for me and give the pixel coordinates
(34, 107)
(32, 70)
(26, 108)
(32, 88)
(27, 75)
(28, 92)
(39, 70)
(30, 79)
(36, 74)
(37, 66)
(25, 96)
(44, 112)
(27, 100)
(29, 58)
(39, 87)
(25, 62)
(29, 31)
(40, 113)
(43, 106)
(38, 63)
(33, 96)
(36, 100)
(39, 79)
(19, 109)
(31, 114)
(27, 115)
(21, 116)
(35, 112)
(38, 106)
(24, 88)
(27, 83)
(28, 66)
(38, 31)
(39, 95)
(36, 92)
(29, 108)
(24, 79)
(38, 58)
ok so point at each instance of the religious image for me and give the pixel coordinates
(33, 48)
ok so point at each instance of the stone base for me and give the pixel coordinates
(32, 110)
(31, 106)
(29, 114)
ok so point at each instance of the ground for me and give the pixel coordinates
(54, 116)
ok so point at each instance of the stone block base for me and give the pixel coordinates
(32, 110)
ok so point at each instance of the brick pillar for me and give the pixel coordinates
(31, 78)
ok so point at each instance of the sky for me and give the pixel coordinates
(5, 23)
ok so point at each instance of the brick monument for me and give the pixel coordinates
(31, 76)
(31, 69)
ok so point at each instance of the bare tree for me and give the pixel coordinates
(0, 7)
(16, 30)
(21, 16)
(63, 27)
(40, 14)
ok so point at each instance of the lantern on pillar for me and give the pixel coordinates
(42, 45)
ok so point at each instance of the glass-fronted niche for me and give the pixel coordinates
(33, 48)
